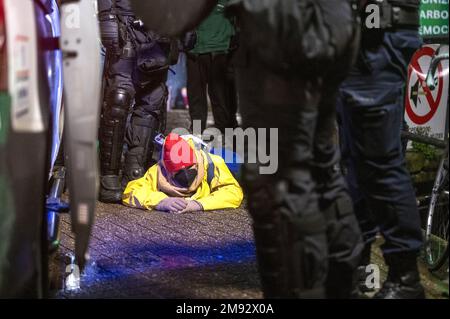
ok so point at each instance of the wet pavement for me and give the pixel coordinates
(148, 254)
(142, 254)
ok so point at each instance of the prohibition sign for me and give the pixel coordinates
(433, 103)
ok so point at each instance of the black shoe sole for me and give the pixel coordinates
(110, 198)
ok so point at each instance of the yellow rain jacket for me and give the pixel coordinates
(223, 192)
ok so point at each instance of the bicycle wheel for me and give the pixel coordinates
(436, 248)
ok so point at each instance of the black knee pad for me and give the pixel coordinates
(118, 102)
(291, 246)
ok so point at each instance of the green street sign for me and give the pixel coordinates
(434, 18)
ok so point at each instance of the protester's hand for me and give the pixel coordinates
(192, 206)
(172, 205)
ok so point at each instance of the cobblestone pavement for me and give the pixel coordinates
(143, 254)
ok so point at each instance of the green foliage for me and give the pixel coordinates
(429, 151)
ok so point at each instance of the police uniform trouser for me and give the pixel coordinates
(207, 75)
(307, 239)
(123, 85)
(371, 107)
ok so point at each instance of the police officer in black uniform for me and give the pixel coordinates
(135, 73)
(371, 114)
(293, 58)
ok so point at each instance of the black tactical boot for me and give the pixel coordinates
(110, 189)
(403, 280)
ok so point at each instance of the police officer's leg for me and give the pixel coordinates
(344, 236)
(361, 208)
(145, 124)
(289, 230)
(376, 116)
(219, 91)
(232, 94)
(367, 224)
(118, 98)
(387, 185)
(196, 88)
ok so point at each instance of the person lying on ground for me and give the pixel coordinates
(185, 180)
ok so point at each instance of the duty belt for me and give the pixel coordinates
(394, 15)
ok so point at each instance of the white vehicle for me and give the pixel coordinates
(31, 90)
